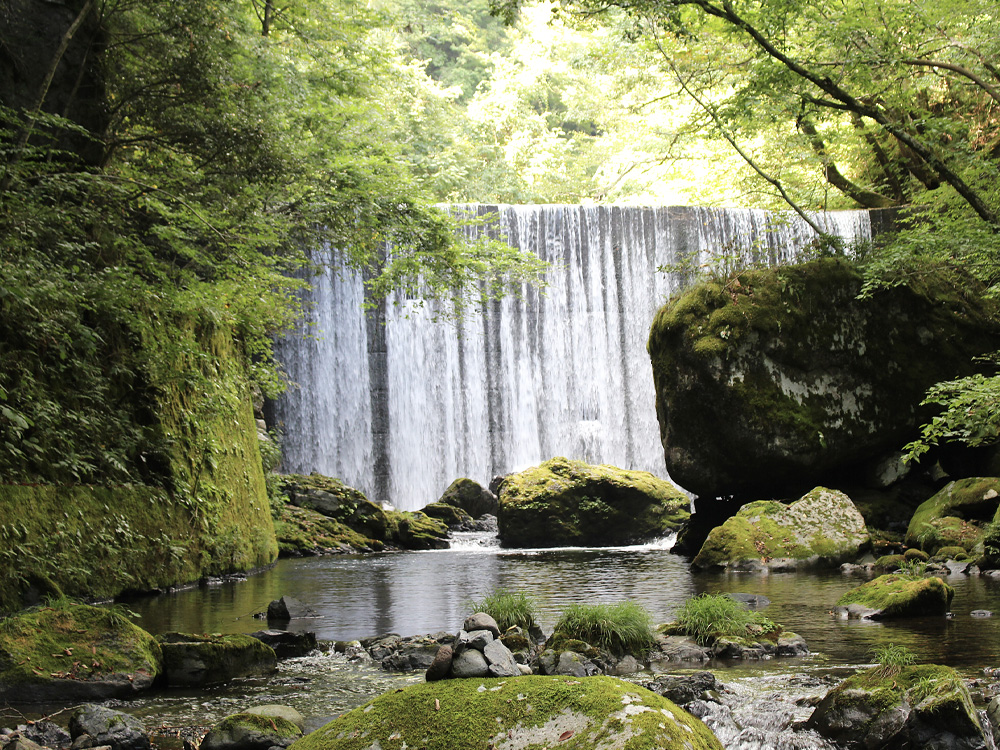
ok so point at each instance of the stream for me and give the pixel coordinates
(422, 592)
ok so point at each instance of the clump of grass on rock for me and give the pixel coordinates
(509, 608)
(708, 617)
(621, 628)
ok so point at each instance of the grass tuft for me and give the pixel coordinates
(622, 628)
(508, 608)
(891, 659)
(708, 617)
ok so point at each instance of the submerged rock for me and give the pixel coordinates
(909, 707)
(74, 652)
(515, 713)
(564, 503)
(894, 596)
(772, 380)
(823, 528)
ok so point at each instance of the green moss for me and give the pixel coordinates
(902, 596)
(191, 659)
(414, 530)
(450, 515)
(303, 531)
(916, 554)
(956, 515)
(526, 712)
(563, 502)
(73, 641)
(267, 725)
(890, 562)
(952, 553)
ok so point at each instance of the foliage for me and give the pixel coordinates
(622, 628)
(708, 617)
(891, 659)
(508, 608)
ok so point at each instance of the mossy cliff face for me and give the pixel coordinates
(514, 713)
(209, 516)
(564, 503)
(776, 377)
(955, 516)
(917, 706)
(821, 528)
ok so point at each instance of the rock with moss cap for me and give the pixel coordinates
(770, 380)
(892, 709)
(334, 499)
(74, 652)
(252, 731)
(471, 497)
(190, 659)
(956, 516)
(516, 713)
(565, 503)
(823, 528)
(896, 595)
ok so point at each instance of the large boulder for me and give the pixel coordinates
(955, 516)
(334, 499)
(107, 727)
(821, 528)
(252, 731)
(515, 713)
(471, 497)
(567, 503)
(190, 659)
(896, 595)
(74, 652)
(770, 381)
(892, 709)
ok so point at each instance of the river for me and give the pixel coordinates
(422, 592)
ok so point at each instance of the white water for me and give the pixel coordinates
(401, 409)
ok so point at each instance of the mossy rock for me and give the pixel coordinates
(336, 500)
(916, 554)
(301, 531)
(190, 659)
(895, 595)
(74, 652)
(516, 713)
(955, 516)
(958, 554)
(566, 503)
(414, 530)
(471, 497)
(251, 731)
(450, 515)
(890, 562)
(821, 528)
(770, 380)
(893, 709)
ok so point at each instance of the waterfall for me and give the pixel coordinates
(399, 403)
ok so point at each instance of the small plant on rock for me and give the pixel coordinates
(508, 608)
(622, 628)
(708, 617)
(891, 659)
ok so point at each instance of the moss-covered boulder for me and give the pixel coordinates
(74, 652)
(955, 516)
(190, 659)
(303, 532)
(471, 497)
(516, 713)
(251, 731)
(769, 381)
(415, 530)
(891, 709)
(453, 517)
(823, 528)
(565, 503)
(896, 595)
(334, 499)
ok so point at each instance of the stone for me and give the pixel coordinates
(452, 517)
(274, 710)
(501, 660)
(469, 663)
(896, 596)
(481, 621)
(628, 664)
(334, 499)
(441, 666)
(471, 497)
(822, 528)
(569, 663)
(287, 644)
(190, 659)
(516, 713)
(981, 613)
(956, 516)
(106, 726)
(37, 663)
(916, 706)
(755, 601)
(288, 608)
(773, 380)
(412, 653)
(568, 503)
(248, 731)
(477, 639)
(683, 689)
(46, 733)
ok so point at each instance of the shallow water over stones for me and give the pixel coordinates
(424, 592)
